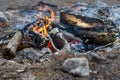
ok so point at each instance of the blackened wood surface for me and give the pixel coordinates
(80, 21)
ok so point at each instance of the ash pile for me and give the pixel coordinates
(83, 34)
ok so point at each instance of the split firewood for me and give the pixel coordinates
(10, 50)
(80, 21)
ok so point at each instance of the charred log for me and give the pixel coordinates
(10, 51)
(57, 41)
(100, 38)
(92, 29)
(80, 21)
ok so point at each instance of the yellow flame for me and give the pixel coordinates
(48, 21)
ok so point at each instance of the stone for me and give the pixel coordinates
(32, 54)
(77, 66)
(3, 22)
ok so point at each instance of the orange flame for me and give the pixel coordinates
(43, 29)
(40, 8)
(52, 17)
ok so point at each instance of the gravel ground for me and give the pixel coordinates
(49, 68)
(18, 3)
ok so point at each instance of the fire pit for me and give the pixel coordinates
(43, 42)
(80, 30)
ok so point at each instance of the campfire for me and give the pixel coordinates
(43, 23)
(81, 32)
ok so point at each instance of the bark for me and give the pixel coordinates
(10, 51)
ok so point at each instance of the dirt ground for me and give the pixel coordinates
(18, 3)
(103, 70)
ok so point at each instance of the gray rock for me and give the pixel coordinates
(77, 66)
(30, 53)
(33, 54)
(3, 22)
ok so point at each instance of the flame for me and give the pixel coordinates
(47, 21)
(39, 8)
(52, 17)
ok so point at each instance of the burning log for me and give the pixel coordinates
(80, 21)
(10, 50)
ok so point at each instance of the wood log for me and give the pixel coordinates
(10, 51)
(24, 45)
(100, 38)
(90, 28)
(80, 21)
